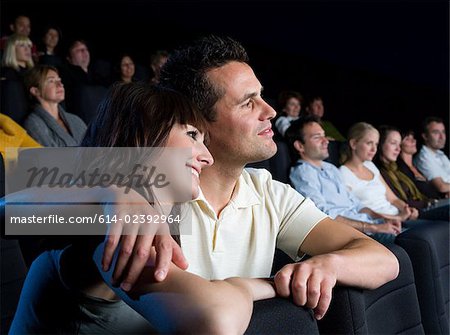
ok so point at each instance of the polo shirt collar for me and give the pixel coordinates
(243, 195)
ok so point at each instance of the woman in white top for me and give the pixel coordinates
(363, 178)
(291, 102)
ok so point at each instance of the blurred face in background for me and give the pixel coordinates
(316, 108)
(391, 147)
(21, 26)
(366, 147)
(52, 89)
(23, 53)
(409, 145)
(315, 147)
(79, 55)
(435, 136)
(51, 38)
(127, 69)
(292, 107)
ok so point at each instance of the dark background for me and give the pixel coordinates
(384, 62)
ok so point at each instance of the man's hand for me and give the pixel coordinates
(137, 239)
(310, 283)
(389, 227)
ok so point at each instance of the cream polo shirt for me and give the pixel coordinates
(261, 215)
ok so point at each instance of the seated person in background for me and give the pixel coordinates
(315, 107)
(48, 54)
(403, 187)
(13, 135)
(290, 103)
(79, 69)
(405, 164)
(157, 61)
(431, 160)
(16, 58)
(363, 179)
(124, 69)
(322, 182)
(48, 123)
(21, 25)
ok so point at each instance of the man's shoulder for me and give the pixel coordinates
(260, 179)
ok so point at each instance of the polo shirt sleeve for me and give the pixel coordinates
(298, 216)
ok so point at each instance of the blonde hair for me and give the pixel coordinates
(356, 132)
(10, 57)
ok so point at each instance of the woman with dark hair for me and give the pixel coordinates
(66, 292)
(49, 123)
(124, 69)
(405, 164)
(48, 53)
(290, 103)
(400, 183)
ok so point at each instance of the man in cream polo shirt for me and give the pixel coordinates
(242, 215)
(261, 215)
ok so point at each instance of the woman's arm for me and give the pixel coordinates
(187, 303)
(115, 202)
(405, 212)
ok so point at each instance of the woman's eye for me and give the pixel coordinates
(193, 134)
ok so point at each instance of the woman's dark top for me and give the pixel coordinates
(424, 186)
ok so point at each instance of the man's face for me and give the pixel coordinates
(316, 144)
(79, 55)
(435, 136)
(242, 132)
(317, 108)
(22, 26)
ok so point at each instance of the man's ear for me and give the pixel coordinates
(35, 92)
(424, 136)
(298, 146)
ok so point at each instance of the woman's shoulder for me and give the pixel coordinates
(372, 167)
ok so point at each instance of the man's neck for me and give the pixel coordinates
(217, 183)
(315, 162)
(430, 148)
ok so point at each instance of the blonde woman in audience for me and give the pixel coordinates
(49, 123)
(17, 58)
(363, 178)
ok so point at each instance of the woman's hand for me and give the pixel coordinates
(137, 238)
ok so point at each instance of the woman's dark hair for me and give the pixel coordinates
(384, 130)
(140, 115)
(117, 75)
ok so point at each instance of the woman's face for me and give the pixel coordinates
(51, 38)
(366, 148)
(292, 107)
(187, 136)
(408, 145)
(23, 53)
(391, 146)
(52, 89)
(127, 68)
